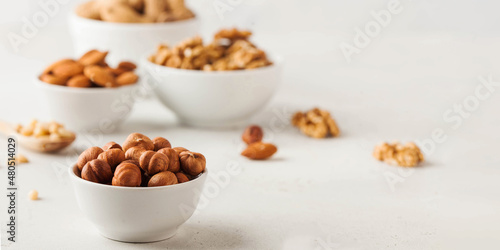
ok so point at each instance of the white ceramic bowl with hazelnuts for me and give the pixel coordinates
(141, 191)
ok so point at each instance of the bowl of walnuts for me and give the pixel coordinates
(140, 191)
(219, 84)
(130, 27)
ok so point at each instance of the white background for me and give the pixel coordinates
(313, 194)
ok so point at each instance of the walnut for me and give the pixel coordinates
(316, 123)
(230, 50)
(408, 155)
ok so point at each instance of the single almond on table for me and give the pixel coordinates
(259, 151)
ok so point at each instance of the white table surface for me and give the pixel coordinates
(313, 194)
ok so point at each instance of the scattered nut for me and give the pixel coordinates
(160, 142)
(162, 179)
(153, 162)
(192, 163)
(137, 139)
(21, 158)
(97, 171)
(88, 155)
(316, 123)
(128, 175)
(252, 134)
(33, 195)
(259, 151)
(408, 155)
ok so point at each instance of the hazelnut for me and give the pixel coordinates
(134, 153)
(113, 157)
(180, 149)
(137, 139)
(111, 145)
(181, 177)
(128, 175)
(132, 161)
(88, 155)
(145, 179)
(160, 142)
(174, 164)
(163, 179)
(192, 163)
(252, 134)
(97, 171)
(153, 162)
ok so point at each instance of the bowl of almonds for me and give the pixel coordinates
(219, 84)
(130, 27)
(139, 191)
(87, 94)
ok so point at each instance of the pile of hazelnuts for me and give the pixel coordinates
(140, 162)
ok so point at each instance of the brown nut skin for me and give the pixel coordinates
(97, 171)
(160, 142)
(180, 149)
(153, 162)
(48, 78)
(79, 81)
(68, 69)
(181, 177)
(134, 153)
(127, 175)
(92, 57)
(88, 155)
(173, 156)
(127, 78)
(100, 76)
(259, 151)
(111, 145)
(252, 134)
(137, 139)
(132, 162)
(113, 157)
(192, 163)
(163, 179)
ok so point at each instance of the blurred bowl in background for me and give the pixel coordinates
(127, 41)
(216, 99)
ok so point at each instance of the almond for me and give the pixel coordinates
(127, 66)
(52, 66)
(67, 69)
(259, 151)
(92, 57)
(127, 78)
(48, 78)
(100, 76)
(79, 81)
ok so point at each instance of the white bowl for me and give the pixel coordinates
(214, 99)
(126, 41)
(139, 214)
(94, 110)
